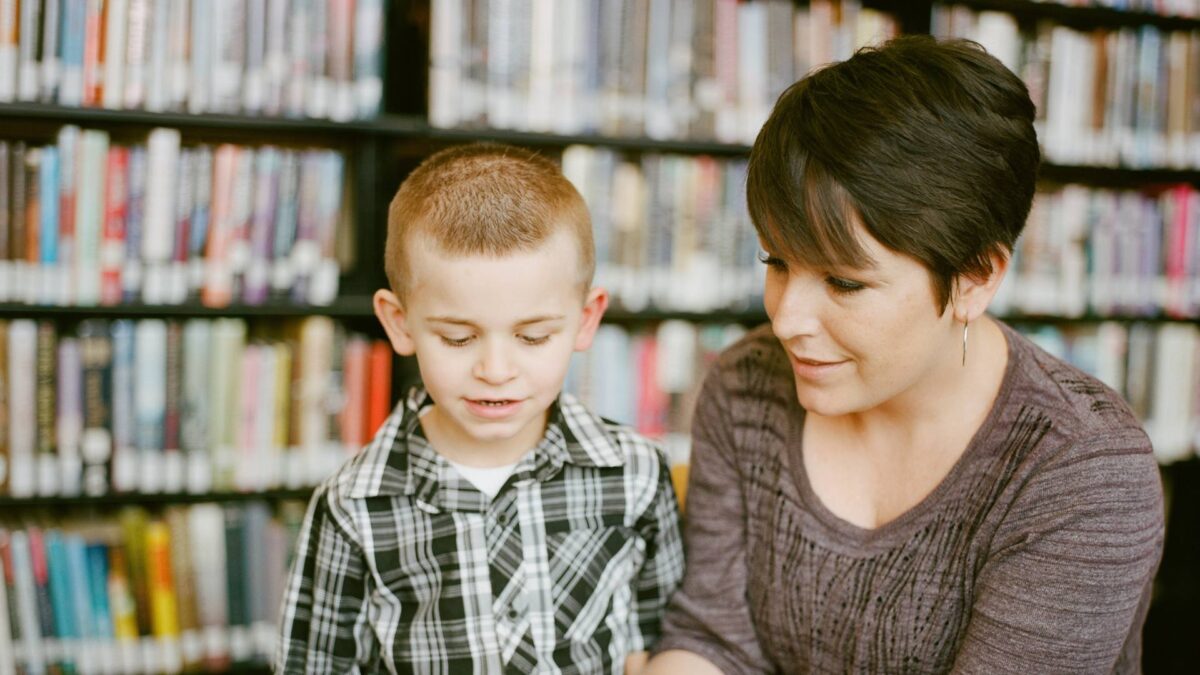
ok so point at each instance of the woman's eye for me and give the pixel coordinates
(771, 261)
(534, 340)
(455, 342)
(840, 285)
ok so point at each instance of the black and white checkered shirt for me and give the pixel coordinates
(403, 566)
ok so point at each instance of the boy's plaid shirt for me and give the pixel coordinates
(401, 565)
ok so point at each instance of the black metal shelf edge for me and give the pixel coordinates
(1093, 318)
(1116, 176)
(547, 139)
(102, 116)
(138, 498)
(360, 307)
(1085, 16)
(350, 307)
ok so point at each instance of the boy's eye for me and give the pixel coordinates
(534, 340)
(455, 342)
(844, 286)
(771, 261)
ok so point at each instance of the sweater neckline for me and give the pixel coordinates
(846, 537)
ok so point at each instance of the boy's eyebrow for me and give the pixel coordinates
(523, 322)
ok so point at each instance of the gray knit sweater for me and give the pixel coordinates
(1034, 555)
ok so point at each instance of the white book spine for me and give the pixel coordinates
(178, 58)
(445, 51)
(116, 20)
(254, 91)
(368, 56)
(8, 50)
(539, 111)
(157, 56)
(27, 59)
(22, 424)
(199, 82)
(150, 395)
(137, 46)
(275, 57)
(158, 228)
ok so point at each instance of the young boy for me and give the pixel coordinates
(494, 524)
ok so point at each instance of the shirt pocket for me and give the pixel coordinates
(591, 572)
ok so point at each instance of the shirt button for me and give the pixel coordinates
(513, 614)
(502, 519)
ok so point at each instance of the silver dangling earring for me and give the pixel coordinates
(964, 360)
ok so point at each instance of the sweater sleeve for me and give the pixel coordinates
(1065, 586)
(709, 615)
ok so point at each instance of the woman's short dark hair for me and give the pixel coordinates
(929, 143)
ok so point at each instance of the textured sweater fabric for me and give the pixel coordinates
(1035, 554)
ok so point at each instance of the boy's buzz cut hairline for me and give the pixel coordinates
(484, 199)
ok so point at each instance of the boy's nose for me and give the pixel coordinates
(494, 365)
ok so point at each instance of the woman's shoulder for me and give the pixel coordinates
(1082, 412)
(1068, 450)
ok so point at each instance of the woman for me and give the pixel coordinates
(886, 479)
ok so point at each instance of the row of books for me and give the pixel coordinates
(664, 69)
(671, 231)
(87, 221)
(1109, 253)
(299, 58)
(197, 406)
(1156, 367)
(1106, 97)
(195, 588)
(655, 391)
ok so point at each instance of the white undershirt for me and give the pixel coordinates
(487, 480)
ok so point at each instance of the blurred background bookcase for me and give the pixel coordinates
(649, 104)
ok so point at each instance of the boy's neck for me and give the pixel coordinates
(449, 440)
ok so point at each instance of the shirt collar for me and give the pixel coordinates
(399, 461)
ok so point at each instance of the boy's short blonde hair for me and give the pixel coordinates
(485, 199)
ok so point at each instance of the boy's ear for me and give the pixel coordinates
(390, 312)
(593, 311)
(972, 295)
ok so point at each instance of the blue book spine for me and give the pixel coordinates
(61, 592)
(81, 596)
(122, 398)
(134, 214)
(97, 561)
(48, 239)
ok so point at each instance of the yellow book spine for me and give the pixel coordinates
(164, 614)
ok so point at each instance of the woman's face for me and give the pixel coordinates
(860, 338)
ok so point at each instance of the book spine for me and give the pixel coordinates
(30, 643)
(9, 618)
(51, 68)
(69, 424)
(8, 50)
(27, 58)
(116, 20)
(112, 246)
(96, 444)
(93, 53)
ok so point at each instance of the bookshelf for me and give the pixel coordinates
(380, 149)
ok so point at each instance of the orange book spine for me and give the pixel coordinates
(379, 400)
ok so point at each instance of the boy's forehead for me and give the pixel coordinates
(516, 284)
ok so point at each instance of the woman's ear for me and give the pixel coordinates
(593, 311)
(390, 312)
(972, 294)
